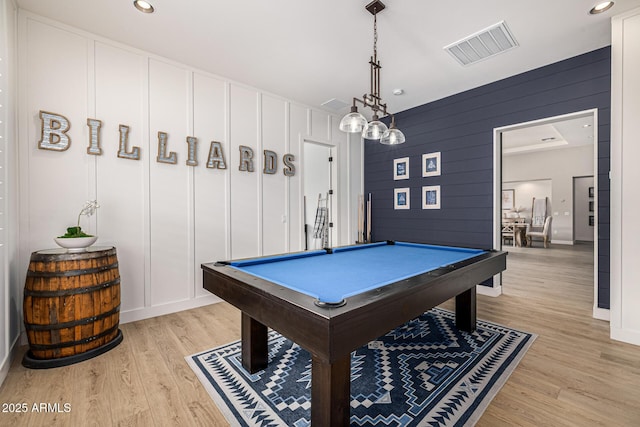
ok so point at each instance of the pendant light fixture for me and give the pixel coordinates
(355, 122)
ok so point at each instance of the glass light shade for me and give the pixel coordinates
(353, 122)
(392, 136)
(374, 129)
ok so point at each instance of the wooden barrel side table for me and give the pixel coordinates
(71, 306)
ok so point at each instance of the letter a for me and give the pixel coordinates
(216, 156)
(54, 132)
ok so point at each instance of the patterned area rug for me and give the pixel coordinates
(424, 373)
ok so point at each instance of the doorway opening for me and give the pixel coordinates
(545, 156)
(320, 208)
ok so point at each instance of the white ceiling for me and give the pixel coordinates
(312, 52)
(553, 135)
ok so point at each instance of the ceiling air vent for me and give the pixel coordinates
(483, 44)
(335, 104)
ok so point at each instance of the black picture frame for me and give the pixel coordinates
(591, 202)
(591, 192)
(591, 220)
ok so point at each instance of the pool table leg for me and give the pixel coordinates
(330, 392)
(254, 344)
(466, 310)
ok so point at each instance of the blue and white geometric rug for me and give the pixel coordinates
(423, 373)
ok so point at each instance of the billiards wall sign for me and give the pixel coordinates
(54, 137)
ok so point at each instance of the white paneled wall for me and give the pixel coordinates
(55, 72)
(275, 205)
(9, 291)
(120, 93)
(298, 125)
(170, 185)
(212, 213)
(245, 194)
(625, 174)
(165, 219)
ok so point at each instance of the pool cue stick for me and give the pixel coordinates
(304, 210)
(369, 219)
(358, 222)
(359, 233)
(363, 237)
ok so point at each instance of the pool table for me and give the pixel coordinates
(332, 301)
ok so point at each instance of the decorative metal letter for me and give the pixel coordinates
(246, 159)
(270, 162)
(192, 141)
(94, 137)
(216, 156)
(162, 157)
(54, 132)
(134, 154)
(289, 167)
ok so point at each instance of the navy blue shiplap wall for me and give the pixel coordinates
(461, 128)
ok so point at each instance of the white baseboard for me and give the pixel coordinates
(494, 291)
(160, 310)
(4, 368)
(601, 313)
(625, 335)
(562, 242)
(6, 363)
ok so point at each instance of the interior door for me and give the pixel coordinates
(318, 190)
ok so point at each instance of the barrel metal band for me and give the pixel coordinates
(71, 273)
(72, 343)
(79, 322)
(74, 291)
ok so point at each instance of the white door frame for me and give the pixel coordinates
(598, 313)
(335, 201)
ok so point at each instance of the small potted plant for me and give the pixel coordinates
(76, 240)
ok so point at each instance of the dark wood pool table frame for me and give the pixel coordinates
(331, 334)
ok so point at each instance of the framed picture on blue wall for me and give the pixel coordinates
(431, 164)
(431, 197)
(401, 198)
(401, 168)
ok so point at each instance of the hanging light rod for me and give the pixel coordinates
(355, 122)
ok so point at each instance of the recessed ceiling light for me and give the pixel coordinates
(601, 7)
(143, 6)
(398, 91)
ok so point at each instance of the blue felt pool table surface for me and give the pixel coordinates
(345, 272)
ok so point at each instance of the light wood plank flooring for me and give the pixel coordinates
(573, 375)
